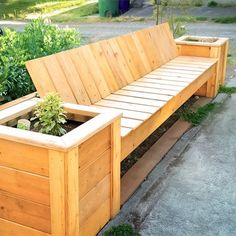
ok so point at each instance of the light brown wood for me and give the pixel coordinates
(115, 170)
(143, 95)
(87, 154)
(25, 185)
(135, 137)
(73, 190)
(150, 90)
(101, 192)
(57, 193)
(8, 228)
(95, 172)
(73, 78)
(128, 106)
(97, 220)
(140, 101)
(24, 157)
(26, 213)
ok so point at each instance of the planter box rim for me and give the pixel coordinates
(183, 40)
(100, 119)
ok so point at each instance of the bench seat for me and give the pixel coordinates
(139, 100)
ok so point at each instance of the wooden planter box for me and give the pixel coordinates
(59, 186)
(213, 47)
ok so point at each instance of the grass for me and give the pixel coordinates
(225, 20)
(228, 90)
(121, 230)
(11, 9)
(197, 117)
(75, 14)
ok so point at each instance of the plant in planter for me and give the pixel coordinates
(50, 116)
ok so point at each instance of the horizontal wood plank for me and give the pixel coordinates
(24, 212)
(128, 106)
(28, 186)
(24, 157)
(140, 101)
(8, 228)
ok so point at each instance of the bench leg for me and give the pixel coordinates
(210, 88)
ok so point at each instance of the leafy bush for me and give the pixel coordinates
(50, 115)
(121, 230)
(212, 4)
(37, 40)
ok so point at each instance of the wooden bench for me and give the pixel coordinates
(141, 74)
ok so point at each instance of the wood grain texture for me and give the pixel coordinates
(26, 213)
(8, 228)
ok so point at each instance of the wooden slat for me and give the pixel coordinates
(58, 78)
(186, 64)
(94, 173)
(186, 67)
(73, 190)
(28, 186)
(24, 157)
(101, 192)
(89, 150)
(121, 63)
(41, 77)
(115, 167)
(112, 61)
(140, 101)
(157, 86)
(95, 72)
(127, 106)
(168, 78)
(124, 47)
(132, 87)
(142, 53)
(102, 62)
(24, 212)
(73, 78)
(143, 95)
(84, 73)
(165, 82)
(130, 123)
(149, 48)
(178, 72)
(96, 220)
(58, 199)
(8, 228)
(126, 43)
(129, 114)
(173, 74)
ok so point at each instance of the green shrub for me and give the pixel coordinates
(212, 4)
(121, 230)
(37, 40)
(50, 115)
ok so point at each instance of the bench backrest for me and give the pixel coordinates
(89, 73)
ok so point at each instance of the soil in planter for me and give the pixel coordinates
(68, 126)
(133, 157)
(207, 40)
